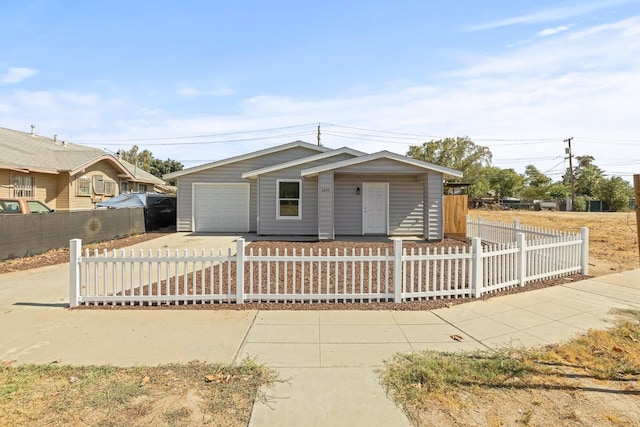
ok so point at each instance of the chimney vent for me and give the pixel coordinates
(33, 129)
(55, 138)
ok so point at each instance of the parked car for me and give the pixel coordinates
(22, 206)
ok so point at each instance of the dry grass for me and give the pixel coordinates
(613, 243)
(591, 380)
(176, 394)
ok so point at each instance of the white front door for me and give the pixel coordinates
(374, 207)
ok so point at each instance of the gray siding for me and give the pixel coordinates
(231, 173)
(269, 224)
(325, 206)
(347, 205)
(382, 166)
(406, 208)
(405, 204)
(308, 225)
(434, 196)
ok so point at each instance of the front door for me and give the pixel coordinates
(374, 207)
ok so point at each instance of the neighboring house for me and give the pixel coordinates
(305, 189)
(63, 175)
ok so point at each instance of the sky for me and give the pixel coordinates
(198, 81)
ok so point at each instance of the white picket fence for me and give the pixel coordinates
(502, 232)
(123, 278)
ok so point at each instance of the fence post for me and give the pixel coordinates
(479, 227)
(476, 266)
(468, 219)
(240, 271)
(522, 258)
(397, 271)
(516, 229)
(584, 255)
(75, 250)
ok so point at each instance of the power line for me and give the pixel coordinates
(194, 136)
(213, 142)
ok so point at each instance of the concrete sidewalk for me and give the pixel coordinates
(328, 357)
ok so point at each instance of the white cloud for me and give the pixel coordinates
(552, 14)
(553, 31)
(17, 74)
(191, 92)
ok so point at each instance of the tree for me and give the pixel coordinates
(141, 159)
(536, 184)
(456, 153)
(144, 159)
(559, 191)
(587, 176)
(615, 192)
(505, 182)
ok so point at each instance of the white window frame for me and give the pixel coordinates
(299, 199)
(24, 186)
(87, 180)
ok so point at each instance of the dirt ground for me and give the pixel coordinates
(613, 242)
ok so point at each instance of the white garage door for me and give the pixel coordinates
(221, 207)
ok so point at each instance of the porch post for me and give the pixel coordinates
(326, 226)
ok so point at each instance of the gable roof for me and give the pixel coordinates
(247, 156)
(26, 152)
(140, 174)
(302, 161)
(447, 172)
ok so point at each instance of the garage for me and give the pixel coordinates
(221, 207)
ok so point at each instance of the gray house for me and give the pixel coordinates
(305, 189)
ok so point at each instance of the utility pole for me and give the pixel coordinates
(319, 144)
(573, 187)
(636, 192)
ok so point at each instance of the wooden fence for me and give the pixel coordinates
(125, 278)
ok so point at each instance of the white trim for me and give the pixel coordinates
(278, 217)
(447, 172)
(257, 206)
(386, 190)
(218, 184)
(247, 156)
(315, 157)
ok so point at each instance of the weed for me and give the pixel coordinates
(105, 395)
(526, 417)
(421, 382)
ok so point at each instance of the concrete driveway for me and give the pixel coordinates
(329, 357)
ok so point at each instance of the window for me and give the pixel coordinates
(109, 188)
(9, 207)
(37, 207)
(24, 186)
(124, 187)
(98, 184)
(83, 186)
(289, 199)
(142, 188)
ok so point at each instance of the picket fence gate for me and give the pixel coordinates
(145, 278)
